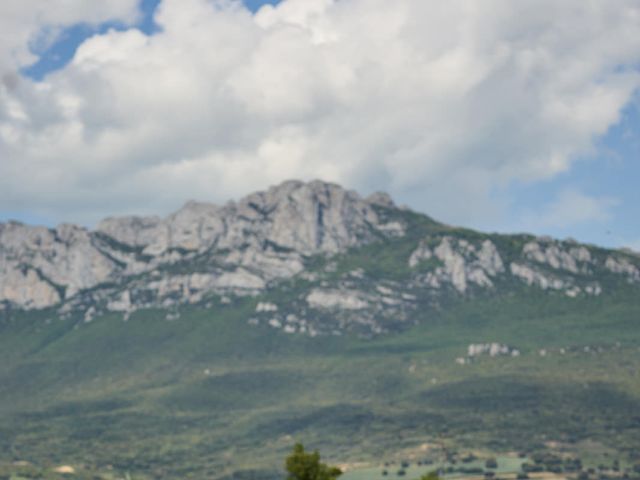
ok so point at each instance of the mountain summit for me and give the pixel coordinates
(358, 264)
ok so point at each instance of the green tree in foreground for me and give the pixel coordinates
(301, 465)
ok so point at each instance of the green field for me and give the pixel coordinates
(506, 465)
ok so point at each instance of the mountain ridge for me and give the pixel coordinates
(293, 232)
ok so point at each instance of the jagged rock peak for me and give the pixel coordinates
(309, 218)
(204, 253)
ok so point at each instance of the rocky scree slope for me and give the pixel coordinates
(314, 257)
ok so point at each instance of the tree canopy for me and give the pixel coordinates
(302, 465)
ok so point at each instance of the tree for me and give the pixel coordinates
(302, 465)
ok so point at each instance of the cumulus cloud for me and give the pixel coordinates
(29, 24)
(437, 104)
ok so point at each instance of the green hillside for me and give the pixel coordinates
(206, 395)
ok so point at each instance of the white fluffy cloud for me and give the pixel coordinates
(437, 103)
(28, 23)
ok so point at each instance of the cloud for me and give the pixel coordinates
(437, 105)
(29, 24)
(569, 209)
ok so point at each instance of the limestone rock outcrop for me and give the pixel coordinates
(307, 218)
(40, 267)
(263, 237)
(459, 263)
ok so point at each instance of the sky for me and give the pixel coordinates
(500, 115)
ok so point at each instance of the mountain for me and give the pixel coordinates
(203, 253)
(205, 343)
(239, 248)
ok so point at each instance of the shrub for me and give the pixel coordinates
(431, 476)
(491, 463)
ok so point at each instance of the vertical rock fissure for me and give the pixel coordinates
(320, 225)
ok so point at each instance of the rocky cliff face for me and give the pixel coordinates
(306, 218)
(362, 263)
(41, 267)
(265, 236)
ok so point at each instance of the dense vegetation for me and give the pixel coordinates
(209, 396)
